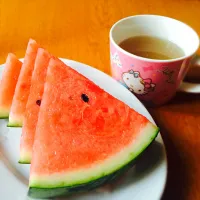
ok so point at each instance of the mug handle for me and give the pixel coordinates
(191, 87)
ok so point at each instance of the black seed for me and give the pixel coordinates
(85, 98)
(38, 102)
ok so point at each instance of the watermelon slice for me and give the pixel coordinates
(33, 105)
(8, 83)
(84, 138)
(23, 86)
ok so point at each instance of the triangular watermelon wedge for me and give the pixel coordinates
(23, 86)
(33, 105)
(84, 138)
(8, 84)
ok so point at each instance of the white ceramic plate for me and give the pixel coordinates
(146, 180)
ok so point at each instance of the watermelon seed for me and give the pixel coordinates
(38, 102)
(85, 98)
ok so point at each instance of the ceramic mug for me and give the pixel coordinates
(153, 81)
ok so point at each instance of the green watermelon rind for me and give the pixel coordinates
(40, 189)
(24, 161)
(25, 158)
(4, 116)
(4, 113)
(14, 124)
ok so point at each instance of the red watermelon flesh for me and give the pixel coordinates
(33, 105)
(83, 133)
(8, 83)
(23, 86)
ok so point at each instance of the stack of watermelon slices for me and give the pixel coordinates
(76, 136)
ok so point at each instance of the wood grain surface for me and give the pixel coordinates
(78, 30)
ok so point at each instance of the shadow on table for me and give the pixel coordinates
(182, 102)
(180, 108)
(177, 178)
(182, 98)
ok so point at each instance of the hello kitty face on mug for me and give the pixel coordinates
(136, 83)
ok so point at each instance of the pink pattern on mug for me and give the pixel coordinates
(154, 82)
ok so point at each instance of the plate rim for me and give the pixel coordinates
(67, 61)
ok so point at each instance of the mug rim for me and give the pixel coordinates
(149, 59)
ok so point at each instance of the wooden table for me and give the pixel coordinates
(79, 30)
